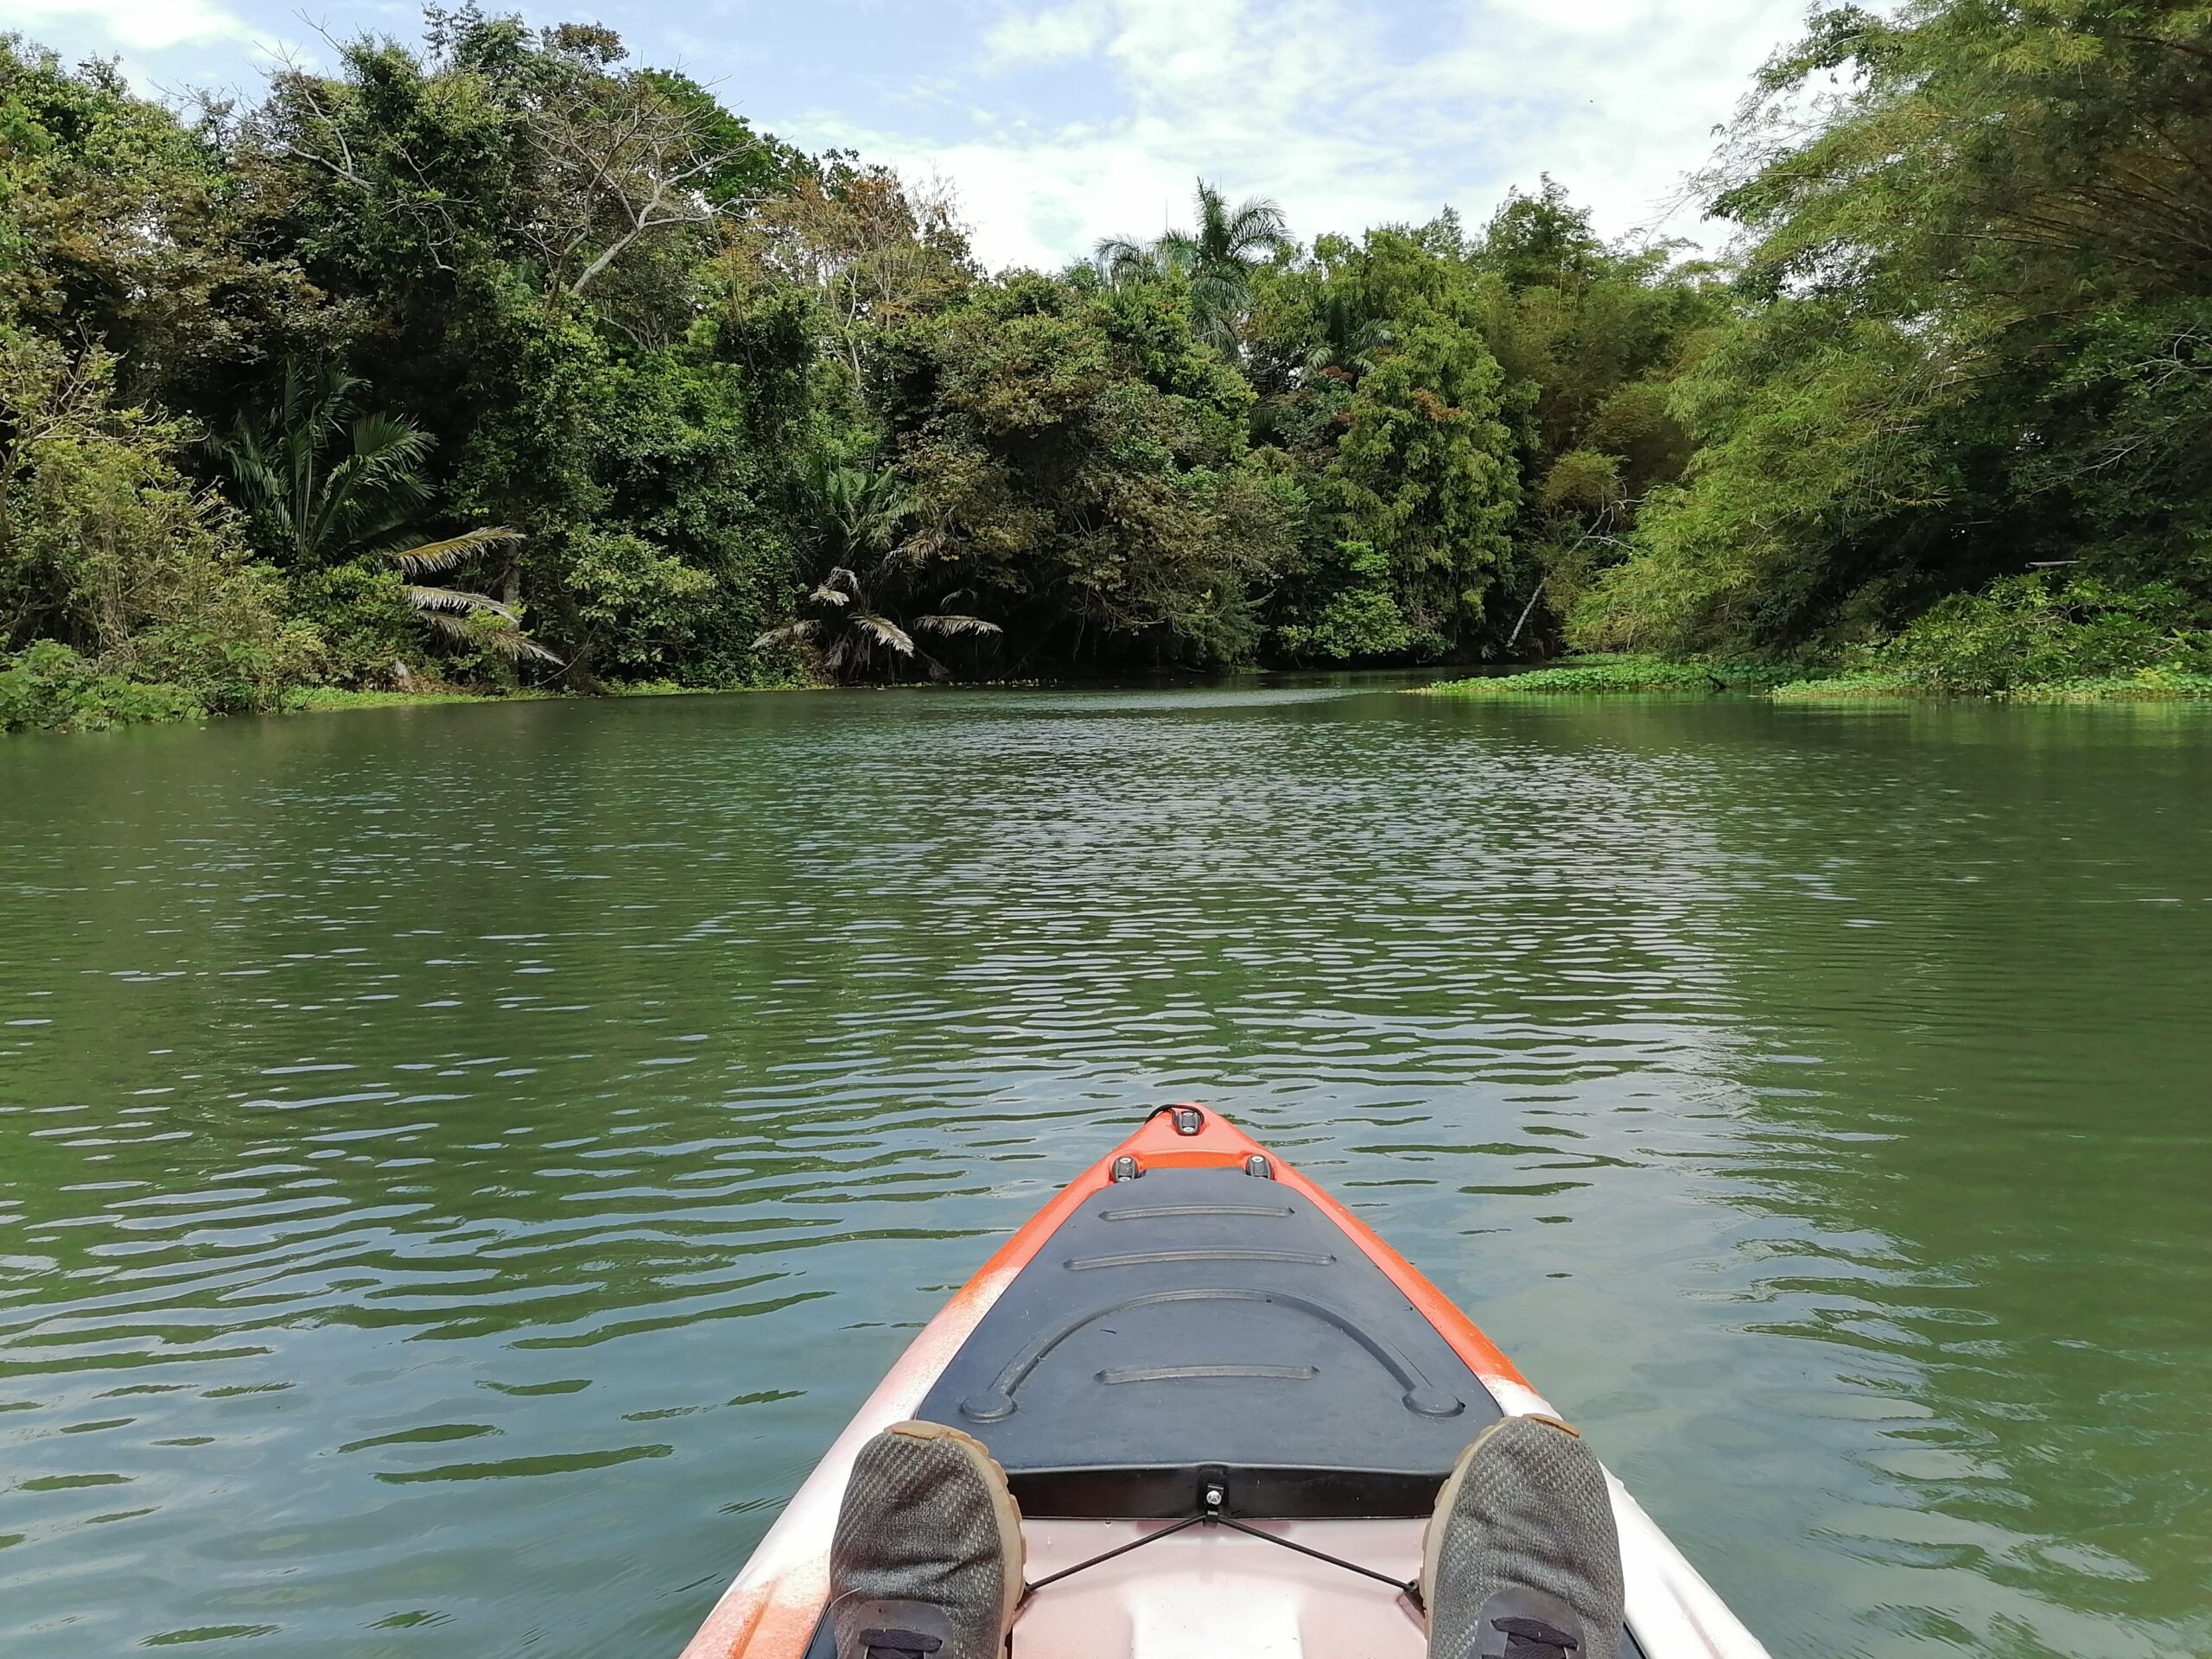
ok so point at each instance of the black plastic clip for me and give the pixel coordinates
(1126, 1168)
(1213, 1491)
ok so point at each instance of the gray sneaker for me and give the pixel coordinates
(1520, 1560)
(926, 1560)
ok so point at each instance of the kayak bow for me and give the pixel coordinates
(1191, 1326)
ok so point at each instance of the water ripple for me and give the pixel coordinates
(458, 1167)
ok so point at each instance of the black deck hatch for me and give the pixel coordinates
(1205, 1317)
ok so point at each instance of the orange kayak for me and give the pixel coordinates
(1192, 1333)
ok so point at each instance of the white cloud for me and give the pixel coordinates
(1059, 35)
(1321, 105)
(135, 25)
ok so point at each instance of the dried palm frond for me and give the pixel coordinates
(456, 600)
(514, 644)
(455, 613)
(508, 640)
(884, 630)
(916, 550)
(953, 625)
(432, 558)
(803, 633)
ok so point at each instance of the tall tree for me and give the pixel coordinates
(1216, 259)
(1977, 297)
(1076, 461)
(1385, 403)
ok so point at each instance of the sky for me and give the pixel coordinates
(1060, 123)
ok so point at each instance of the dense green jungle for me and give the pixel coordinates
(496, 362)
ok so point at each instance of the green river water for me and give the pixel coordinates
(459, 1166)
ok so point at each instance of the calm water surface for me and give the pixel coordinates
(459, 1166)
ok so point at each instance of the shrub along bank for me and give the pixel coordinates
(2029, 639)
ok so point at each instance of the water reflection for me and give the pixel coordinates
(472, 1160)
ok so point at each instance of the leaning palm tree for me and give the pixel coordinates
(326, 483)
(1216, 259)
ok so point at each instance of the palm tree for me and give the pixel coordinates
(858, 513)
(466, 618)
(326, 483)
(853, 633)
(1217, 259)
(1350, 337)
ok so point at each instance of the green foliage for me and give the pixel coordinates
(307, 507)
(1974, 327)
(631, 597)
(2145, 685)
(121, 223)
(1349, 612)
(503, 327)
(1620, 677)
(2025, 630)
(106, 547)
(1381, 404)
(2039, 638)
(1800, 448)
(320, 699)
(49, 687)
(1073, 461)
(1423, 466)
(568, 328)
(1542, 243)
(312, 503)
(1213, 262)
(1591, 339)
(369, 632)
(1858, 684)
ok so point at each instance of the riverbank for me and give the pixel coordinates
(1620, 676)
(1795, 683)
(101, 706)
(329, 699)
(47, 688)
(97, 701)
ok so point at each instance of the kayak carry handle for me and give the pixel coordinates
(1189, 1120)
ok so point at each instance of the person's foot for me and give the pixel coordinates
(926, 1560)
(1522, 1560)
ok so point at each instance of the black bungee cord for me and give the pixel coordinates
(1216, 1513)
